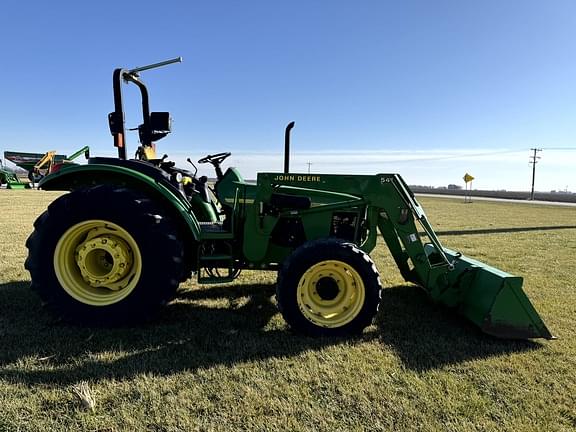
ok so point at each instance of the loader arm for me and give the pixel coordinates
(490, 298)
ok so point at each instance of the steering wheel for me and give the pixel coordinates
(215, 158)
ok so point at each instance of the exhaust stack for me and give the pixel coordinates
(287, 147)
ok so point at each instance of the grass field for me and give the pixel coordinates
(221, 357)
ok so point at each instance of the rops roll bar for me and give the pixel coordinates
(146, 130)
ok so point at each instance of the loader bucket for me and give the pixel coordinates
(490, 298)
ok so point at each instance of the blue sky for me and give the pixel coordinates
(429, 89)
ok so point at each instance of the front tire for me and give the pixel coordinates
(104, 256)
(328, 287)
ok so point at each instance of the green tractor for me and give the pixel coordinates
(116, 247)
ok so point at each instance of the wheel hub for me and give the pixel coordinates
(327, 288)
(330, 293)
(103, 260)
(97, 262)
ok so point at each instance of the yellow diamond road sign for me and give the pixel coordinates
(468, 178)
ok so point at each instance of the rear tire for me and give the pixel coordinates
(328, 287)
(104, 255)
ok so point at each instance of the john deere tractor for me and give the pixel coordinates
(115, 248)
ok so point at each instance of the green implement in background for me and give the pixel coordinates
(10, 179)
(26, 160)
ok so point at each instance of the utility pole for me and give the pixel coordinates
(534, 161)
(309, 164)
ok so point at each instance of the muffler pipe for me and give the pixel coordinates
(287, 147)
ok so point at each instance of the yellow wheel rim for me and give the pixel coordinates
(97, 262)
(330, 293)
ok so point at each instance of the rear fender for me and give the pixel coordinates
(71, 177)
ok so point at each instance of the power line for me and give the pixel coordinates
(436, 158)
(458, 156)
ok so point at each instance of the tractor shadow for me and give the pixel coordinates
(222, 325)
(430, 336)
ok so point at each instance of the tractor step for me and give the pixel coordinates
(215, 230)
(226, 258)
(211, 226)
(210, 266)
(207, 280)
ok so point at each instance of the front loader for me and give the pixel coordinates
(116, 247)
